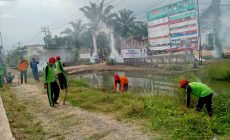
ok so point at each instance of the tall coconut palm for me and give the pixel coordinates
(125, 22)
(75, 34)
(97, 14)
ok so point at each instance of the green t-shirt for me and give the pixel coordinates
(48, 74)
(59, 67)
(200, 90)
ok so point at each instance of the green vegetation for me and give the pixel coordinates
(219, 71)
(20, 118)
(166, 115)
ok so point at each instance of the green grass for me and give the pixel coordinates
(21, 123)
(164, 115)
(219, 71)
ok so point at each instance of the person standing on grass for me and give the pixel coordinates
(34, 66)
(61, 73)
(50, 82)
(22, 67)
(122, 81)
(200, 90)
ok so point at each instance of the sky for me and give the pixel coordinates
(21, 20)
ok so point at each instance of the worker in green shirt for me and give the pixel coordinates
(61, 73)
(50, 82)
(200, 90)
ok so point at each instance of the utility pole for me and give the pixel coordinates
(199, 33)
(47, 35)
(1, 45)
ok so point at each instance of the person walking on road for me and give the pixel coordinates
(22, 67)
(122, 81)
(61, 73)
(50, 82)
(200, 90)
(34, 66)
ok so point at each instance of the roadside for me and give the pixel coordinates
(68, 122)
(5, 130)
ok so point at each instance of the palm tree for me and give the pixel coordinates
(125, 23)
(76, 34)
(140, 30)
(97, 14)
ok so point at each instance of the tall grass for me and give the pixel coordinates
(219, 71)
(163, 114)
(21, 123)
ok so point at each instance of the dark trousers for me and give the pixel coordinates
(126, 87)
(53, 93)
(35, 73)
(62, 80)
(207, 101)
(23, 74)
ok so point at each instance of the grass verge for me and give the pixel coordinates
(219, 71)
(21, 123)
(165, 115)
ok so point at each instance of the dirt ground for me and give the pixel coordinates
(72, 123)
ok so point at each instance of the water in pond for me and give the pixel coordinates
(138, 82)
(143, 82)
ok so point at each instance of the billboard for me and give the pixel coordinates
(134, 53)
(173, 25)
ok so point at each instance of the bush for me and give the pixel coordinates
(78, 83)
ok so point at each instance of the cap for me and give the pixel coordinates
(116, 77)
(183, 83)
(52, 60)
(58, 58)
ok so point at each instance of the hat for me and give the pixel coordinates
(52, 60)
(58, 58)
(116, 77)
(183, 83)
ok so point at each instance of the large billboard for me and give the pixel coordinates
(173, 25)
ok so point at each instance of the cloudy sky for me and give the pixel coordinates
(21, 20)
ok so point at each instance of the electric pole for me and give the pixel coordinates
(47, 35)
(199, 33)
(1, 45)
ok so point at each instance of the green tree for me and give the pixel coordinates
(125, 23)
(97, 14)
(140, 30)
(75, 34)
(103, 45)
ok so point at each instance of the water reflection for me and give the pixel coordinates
(138, 82)
(144, 82)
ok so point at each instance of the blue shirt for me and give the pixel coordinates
(33, 65)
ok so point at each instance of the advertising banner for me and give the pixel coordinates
(134, 53)
(172, 9)
(173, 22)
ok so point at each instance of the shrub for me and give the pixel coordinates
(78, 83)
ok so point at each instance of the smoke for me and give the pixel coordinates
(225, 30)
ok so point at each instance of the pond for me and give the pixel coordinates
(143, 82)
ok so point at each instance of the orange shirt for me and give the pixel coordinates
(23, 66)
(123, 81)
